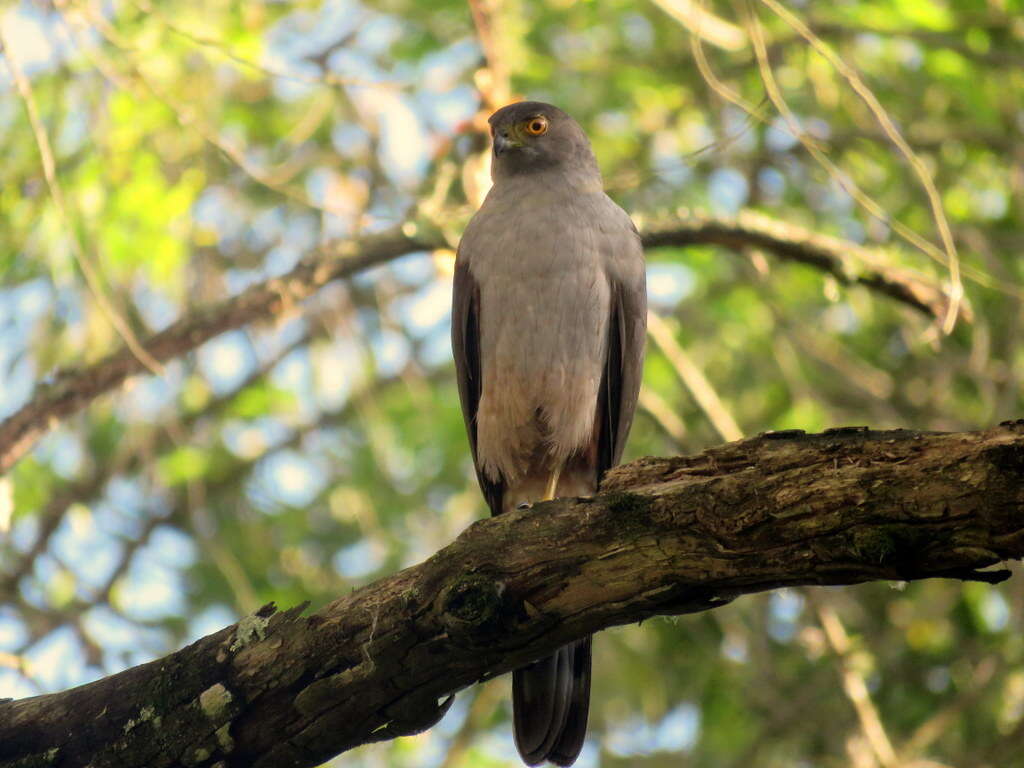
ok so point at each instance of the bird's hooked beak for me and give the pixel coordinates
(505, 141)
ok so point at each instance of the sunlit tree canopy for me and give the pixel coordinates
(159, 159)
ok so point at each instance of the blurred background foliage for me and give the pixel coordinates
(199, 148)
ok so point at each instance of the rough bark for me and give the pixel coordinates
(72, 390)
(665, 536)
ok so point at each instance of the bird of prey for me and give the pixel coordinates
(548, 329)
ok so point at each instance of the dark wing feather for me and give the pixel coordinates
(466, 350)
(623, 370)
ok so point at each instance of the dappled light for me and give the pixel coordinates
(227, 242)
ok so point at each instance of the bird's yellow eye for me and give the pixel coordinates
(537, 126)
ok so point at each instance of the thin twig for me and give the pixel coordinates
(700, 21)
(496, 89)
(844, 181)
(327, 78)
(894, 135)
(855, 687)
(938, 724)
(84, 260)
(185, 114)
(792, 127)
(694, 379)
(663, 413)
(74, 390)
(49, 519)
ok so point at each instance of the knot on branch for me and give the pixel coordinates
(891, 545)
(411, 715)
(473, 609)
(629, 508)
(1008, 457)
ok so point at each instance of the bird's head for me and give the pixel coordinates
(532, 136)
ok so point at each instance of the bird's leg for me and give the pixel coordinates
(549, 494)
(551, 489)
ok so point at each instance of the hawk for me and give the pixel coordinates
(548, 328)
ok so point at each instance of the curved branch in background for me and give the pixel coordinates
(665, 536)
(128, 459)
(72, 390)
(885, 122)
(848, 262)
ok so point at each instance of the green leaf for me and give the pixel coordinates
(183, 464)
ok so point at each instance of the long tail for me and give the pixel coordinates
(550, 701)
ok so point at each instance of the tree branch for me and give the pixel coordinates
(849, 263)
(72, 390)
(665, 536)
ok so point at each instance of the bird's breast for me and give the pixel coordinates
(544, 312)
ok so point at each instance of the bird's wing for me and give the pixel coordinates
(624, 362)
(468, 372)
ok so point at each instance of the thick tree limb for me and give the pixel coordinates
(72, 390)
(665, 536)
